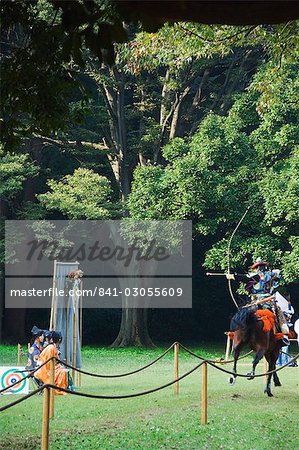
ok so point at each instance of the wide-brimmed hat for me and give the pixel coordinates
(258, 263)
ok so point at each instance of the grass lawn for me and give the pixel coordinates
(239, 417)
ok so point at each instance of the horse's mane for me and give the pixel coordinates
(243, 318)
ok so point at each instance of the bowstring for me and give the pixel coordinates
(228, 256)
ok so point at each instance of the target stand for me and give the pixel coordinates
(12, 374)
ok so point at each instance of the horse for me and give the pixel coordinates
(248, 330)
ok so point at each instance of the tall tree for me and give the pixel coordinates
(249, 157)
(15, 172)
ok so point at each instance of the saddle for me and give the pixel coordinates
(268, 319)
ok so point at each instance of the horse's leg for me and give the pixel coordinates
(237, 349)
(269, 358)
(256, 360)
(275, 356)
(276, 379)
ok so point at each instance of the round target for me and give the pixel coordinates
(10, 377)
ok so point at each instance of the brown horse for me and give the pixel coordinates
(248, 330)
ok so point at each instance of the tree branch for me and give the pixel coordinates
(97, 146)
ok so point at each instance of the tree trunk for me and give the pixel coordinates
(176, 113)
(133, 329)
(134, 321)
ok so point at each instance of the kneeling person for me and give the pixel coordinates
(61, 374)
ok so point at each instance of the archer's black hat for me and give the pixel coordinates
(48, 334)
(56, 336)
(36, 331)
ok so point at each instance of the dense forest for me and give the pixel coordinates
(102, 120)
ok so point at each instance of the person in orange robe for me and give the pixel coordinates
(43, 374)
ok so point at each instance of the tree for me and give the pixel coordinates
(247, 158)
(15, 171)
(83, 195)
(114, 117)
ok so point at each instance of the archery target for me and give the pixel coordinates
(10, 375)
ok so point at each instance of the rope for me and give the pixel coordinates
(3, 408)
(211, 360)
(24, 378)
(253, 376)
(208, 361)
(288, 354)
(88, 373)
(121, 374)
(138, 394)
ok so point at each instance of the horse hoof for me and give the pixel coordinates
(231, 380)
(250, 375)
(269, 393)
(277, 384)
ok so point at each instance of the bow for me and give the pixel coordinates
(229, 280)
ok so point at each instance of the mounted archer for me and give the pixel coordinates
(261, 285)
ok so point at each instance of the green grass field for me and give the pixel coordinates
(239, 417)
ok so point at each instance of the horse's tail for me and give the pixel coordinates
(243, 318)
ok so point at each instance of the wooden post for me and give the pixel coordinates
(52, 393)
(176, 348)
(80, 328)
(19, 354)
(67, 356)
(227, 351)
(74, 359)
(81, 316)
(45, 425)
(204, 396)
(54, 300)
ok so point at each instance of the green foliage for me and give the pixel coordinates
(83, 195)
(207, 182)
(14, 170)
(246, 158)
(176, 148)
(280, 189)
(291, 260)
(42, 47)
(278, 112)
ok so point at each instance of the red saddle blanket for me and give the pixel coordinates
(268, 319)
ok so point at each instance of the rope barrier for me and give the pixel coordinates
(16, 402)
(138, 394)
(118, 397)
(252, 376)
(288, 354)
(211, 360)
(89, 373)
(106, 397)
(121, 374)
(48, 389)
(24, 378)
